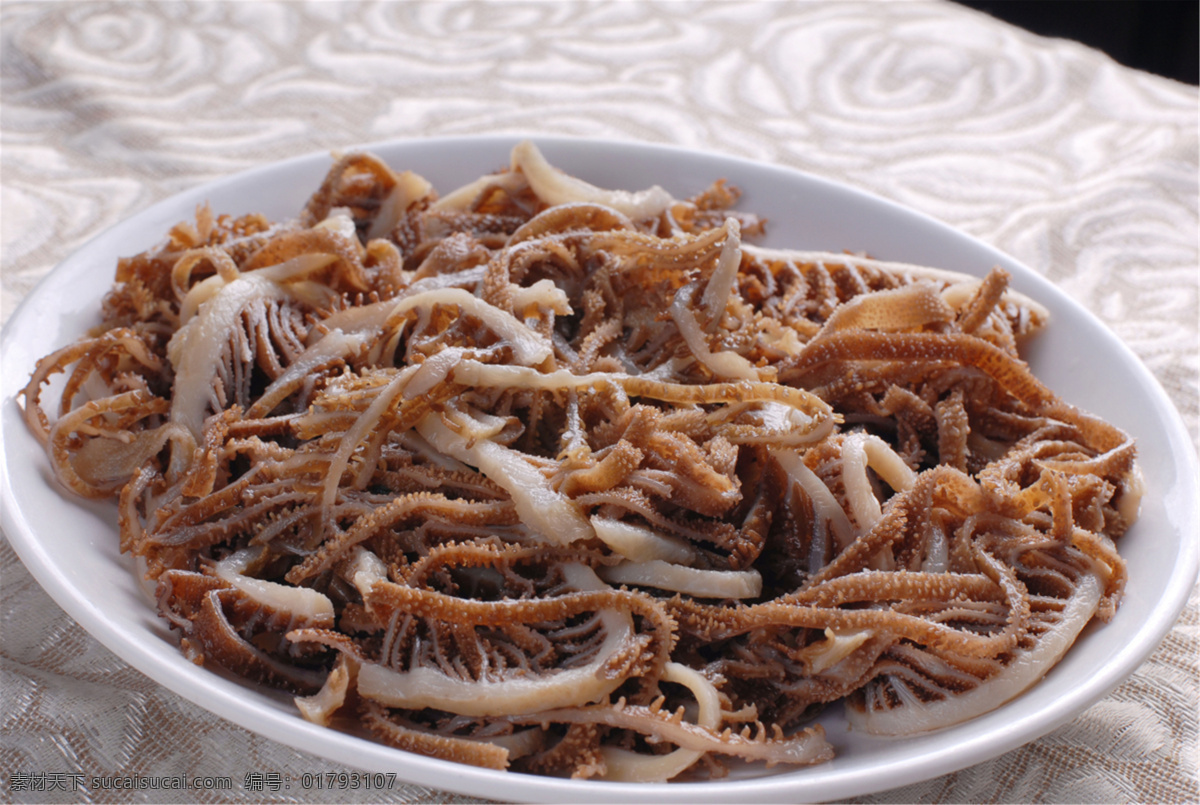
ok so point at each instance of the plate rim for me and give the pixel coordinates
(446, 775)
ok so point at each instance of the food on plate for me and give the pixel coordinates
(542, 476)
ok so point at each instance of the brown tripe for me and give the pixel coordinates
(541, 476)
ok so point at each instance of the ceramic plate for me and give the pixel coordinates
(70, 545)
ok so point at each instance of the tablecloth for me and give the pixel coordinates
(1080, 168)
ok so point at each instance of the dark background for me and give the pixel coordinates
(1159, 36)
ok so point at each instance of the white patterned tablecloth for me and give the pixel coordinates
(1080, 168)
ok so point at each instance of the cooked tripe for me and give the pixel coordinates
(542, 476)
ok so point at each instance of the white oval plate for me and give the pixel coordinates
(70, 545)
